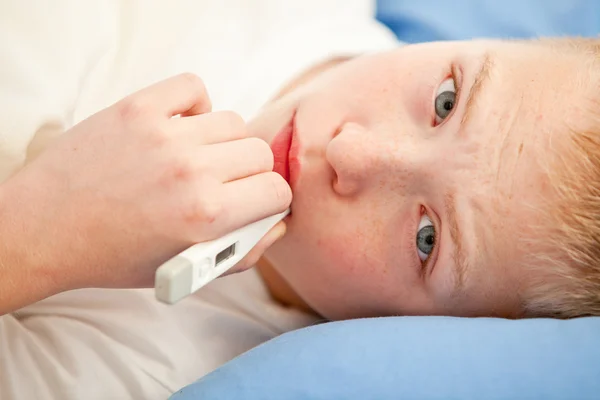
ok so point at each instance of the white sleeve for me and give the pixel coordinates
(45, 54)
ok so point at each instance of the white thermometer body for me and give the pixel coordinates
(193, 268)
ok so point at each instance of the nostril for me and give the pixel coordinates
(335, 180)
(345, 187)
(340, 184)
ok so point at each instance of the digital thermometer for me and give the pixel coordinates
(193, 268)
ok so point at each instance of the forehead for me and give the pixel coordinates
(519, 117)
(524, 106)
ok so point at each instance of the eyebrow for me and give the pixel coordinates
(460, 261)
(481, 77)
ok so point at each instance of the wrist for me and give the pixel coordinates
(28, 272)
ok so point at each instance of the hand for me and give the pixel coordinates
(131, 186)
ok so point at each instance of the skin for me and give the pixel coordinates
(374, 162)
(128, 188)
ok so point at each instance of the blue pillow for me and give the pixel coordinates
(416, 358)
(430, 20)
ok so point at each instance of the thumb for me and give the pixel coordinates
(276, 233)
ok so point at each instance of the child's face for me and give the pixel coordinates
(412, 195)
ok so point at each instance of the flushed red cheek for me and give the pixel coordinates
(345, 255)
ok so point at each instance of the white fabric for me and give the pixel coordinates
(63, 60)
(102, 344)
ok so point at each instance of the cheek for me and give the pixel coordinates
(342, 255)
(364, 94)
(333, 255)
(338, 274)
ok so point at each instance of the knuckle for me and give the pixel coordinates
(196, 86)
(233, 121)
(207, 210)
(192, 79)
(180, 170)
(205, 207)
(131, 108)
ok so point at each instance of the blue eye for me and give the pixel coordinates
(444, 100)
(425, 238)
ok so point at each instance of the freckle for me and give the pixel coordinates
(520, 148)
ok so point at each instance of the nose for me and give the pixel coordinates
(358, 159)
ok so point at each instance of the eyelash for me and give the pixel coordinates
(454, 73)
(426, 266)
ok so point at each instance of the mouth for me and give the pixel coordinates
(285, 152)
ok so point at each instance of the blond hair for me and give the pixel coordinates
(569, 286)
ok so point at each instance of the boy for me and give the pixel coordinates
(426, 180)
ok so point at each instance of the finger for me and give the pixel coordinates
(249, 199)
(235, 160)
(210, 128)
(182, 94)
(276, 233)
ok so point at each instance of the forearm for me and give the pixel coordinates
(27, 274)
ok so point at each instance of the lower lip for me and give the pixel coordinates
(285, 152)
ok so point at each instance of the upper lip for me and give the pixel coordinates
(283, 146)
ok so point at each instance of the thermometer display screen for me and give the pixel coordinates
(225, 254)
